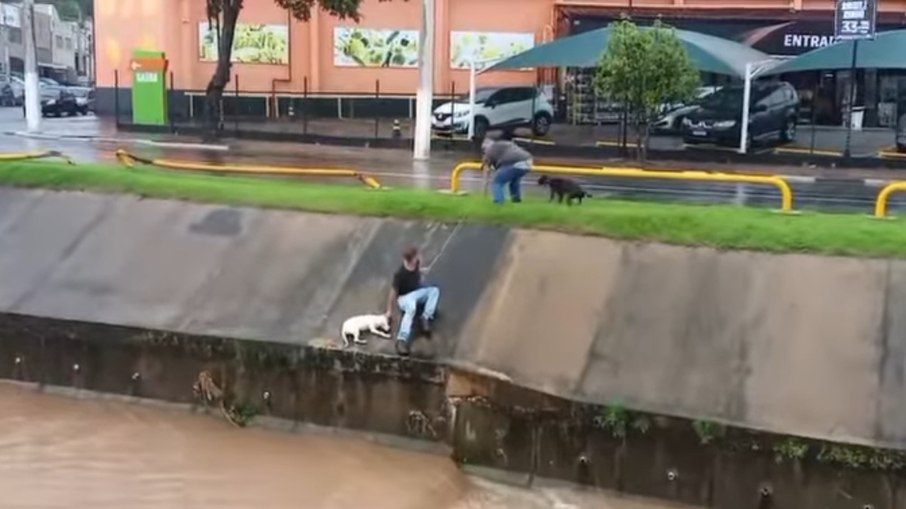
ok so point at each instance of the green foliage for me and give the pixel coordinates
(643, 68)
(223, 16)
(862, 458)
(708, 431)
(790, 449)
(616, 419)
(242, 413)
(719, 226)
(73, 10)
(343, 9)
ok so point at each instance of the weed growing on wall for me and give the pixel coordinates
(790, 449)
(708, 431)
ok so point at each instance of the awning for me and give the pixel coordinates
(886, 51)
(708, 53)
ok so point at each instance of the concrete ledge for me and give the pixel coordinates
(494, 427)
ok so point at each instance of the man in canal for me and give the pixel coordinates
(408, 292)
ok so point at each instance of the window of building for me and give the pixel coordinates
(59, 41)
(68, 43)
(15, 35)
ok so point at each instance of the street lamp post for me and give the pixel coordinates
(425, 95)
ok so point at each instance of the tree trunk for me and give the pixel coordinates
(639, 139)
(646, 137)
(214, 92)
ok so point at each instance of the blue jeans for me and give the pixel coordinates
(511, 175)
(427, 295)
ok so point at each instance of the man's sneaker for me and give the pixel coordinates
(402, 348)
(426, 327)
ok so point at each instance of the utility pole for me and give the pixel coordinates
(4, 38)
(32, 91)
(425, 95)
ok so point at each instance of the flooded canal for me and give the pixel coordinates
(61, 452)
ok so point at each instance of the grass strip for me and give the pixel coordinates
(720, 226)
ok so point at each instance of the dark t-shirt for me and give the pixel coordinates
(406, 281)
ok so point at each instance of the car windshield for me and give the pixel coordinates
(722, 100)
(481, 95)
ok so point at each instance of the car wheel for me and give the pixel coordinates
(481, 127)
(788, 133)
(541, 125)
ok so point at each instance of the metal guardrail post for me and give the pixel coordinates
(884, 197)
(786, 192)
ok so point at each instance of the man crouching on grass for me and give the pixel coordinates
(408, 293)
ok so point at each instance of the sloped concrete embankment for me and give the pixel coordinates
(793, 344)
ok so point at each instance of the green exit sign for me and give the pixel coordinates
(149, 87)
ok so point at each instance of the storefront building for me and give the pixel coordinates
(276, 55)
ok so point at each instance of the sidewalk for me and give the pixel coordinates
(826, 138)
(92, 138)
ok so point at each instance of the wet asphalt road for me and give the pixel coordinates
(93, 139)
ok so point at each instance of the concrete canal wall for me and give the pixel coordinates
(792, 344)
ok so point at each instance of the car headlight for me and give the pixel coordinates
(51, 102)
(461, 114)
(687, 122)
(725, 124)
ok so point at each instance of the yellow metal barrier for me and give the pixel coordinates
(786, 192)
(47, 154)
(129, 160)
(884, 197)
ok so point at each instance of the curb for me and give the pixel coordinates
(135, 141)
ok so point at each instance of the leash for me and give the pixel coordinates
(443, 248)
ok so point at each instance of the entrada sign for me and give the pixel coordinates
(807, 41)
(855, 19)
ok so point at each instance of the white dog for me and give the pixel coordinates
(378, 325)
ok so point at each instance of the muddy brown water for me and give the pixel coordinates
(62, 452)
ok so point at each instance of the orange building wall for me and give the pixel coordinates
(172, 26)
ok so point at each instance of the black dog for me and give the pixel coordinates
(563, 188)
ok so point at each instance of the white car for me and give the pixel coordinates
(495, 108)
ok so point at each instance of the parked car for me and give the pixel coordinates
(84, 99)
(671, 121)
(496, 108)
(56, 102)
(773, 113)
(901, 134)
(12, 90)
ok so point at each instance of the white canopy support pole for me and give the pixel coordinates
(746, 98)
(425, 95)
(752, 72)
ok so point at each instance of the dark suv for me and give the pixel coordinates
(773, 110)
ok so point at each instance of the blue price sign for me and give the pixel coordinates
(855, 19)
